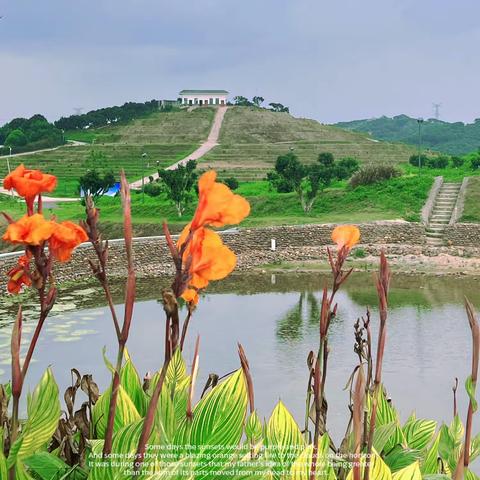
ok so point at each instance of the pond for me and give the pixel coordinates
(275, 317)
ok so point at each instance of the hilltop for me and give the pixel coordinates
(250, 141)
(455, 138)
(252, 138)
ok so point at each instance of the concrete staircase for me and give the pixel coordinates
(441, 213)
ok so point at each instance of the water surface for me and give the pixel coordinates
(275, 317)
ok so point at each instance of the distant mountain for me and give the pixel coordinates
(454, 138)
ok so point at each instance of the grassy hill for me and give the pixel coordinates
(251, 139)
(454, 138)
(165, 136)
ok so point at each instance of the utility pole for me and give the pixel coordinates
(144, 156)
(420, 121)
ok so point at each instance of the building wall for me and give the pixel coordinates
(203, 98)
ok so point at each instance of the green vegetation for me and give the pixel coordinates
(179, 184)
(471, 212)
(34, 133)
(307, 181)
(372, 173)
(251, 139)
(165, 137)
(107, 116)
(454, 138)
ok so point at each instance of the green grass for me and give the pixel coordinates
(471, 212)
(251, 139)
(166, 137)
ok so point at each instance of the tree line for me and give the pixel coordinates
(106, 116)
(24, 134)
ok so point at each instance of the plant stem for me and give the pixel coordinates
(112, 409)
(149, 419)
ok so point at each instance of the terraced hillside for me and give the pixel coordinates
(251, 139)
(165, 137)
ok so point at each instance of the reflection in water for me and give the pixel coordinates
(306, 310)
(428, 339)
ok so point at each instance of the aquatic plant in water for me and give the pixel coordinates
(152, 428)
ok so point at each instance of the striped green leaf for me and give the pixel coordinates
(430, 461)
(126, 412)
(412, 472)
(3, 460)
(400, 457)
(378, 468)
(418, 433)
(283, 440)
(301, 467)
(43, 409)
(470, 387)
(217, 421)
(131, 383)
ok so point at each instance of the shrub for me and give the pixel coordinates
(16, 138)
(475, 162)
(418, 160)
(231, 182)
(153, 189)
(346, 167)
(457, 161)
(440, 161)
(374, 173)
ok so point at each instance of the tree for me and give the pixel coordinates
(179, 184)
(278, 107)
(242, 101)
(346, 167)
(307, 181)
(95, 184)
(231, 183)
(258, 100)
(16, 138)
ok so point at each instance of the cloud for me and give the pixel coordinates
(327, 60)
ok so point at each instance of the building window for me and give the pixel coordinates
(217, 101)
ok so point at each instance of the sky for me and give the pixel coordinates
(328, 60)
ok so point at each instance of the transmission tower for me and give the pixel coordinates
(78, 110)
(436, 110)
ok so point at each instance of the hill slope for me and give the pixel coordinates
(166, 137)
(251, 139)
(454, 138)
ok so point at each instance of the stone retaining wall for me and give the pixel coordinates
(253, 247)
(463, 234)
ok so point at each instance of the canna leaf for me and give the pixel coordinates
(419, 433)
(470, 387)
(378, 468)
(430, 462)
(283, 440)
(301, 467)
(125, 414)
(412, 472)
(218, 420)
(43, 410)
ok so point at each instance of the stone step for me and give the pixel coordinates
(444, 196)
(442, 209)
(434, 234)
(438, 225)
(439, 221)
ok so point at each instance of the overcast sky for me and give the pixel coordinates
(329, 60)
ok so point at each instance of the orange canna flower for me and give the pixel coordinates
(19, 275)
(29, 230)
(210, 260)
(65, 238)
(346, 236)
(217, 204)
(29, 183)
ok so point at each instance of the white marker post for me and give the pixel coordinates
(273, 245)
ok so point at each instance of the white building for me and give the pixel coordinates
(203, 97)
